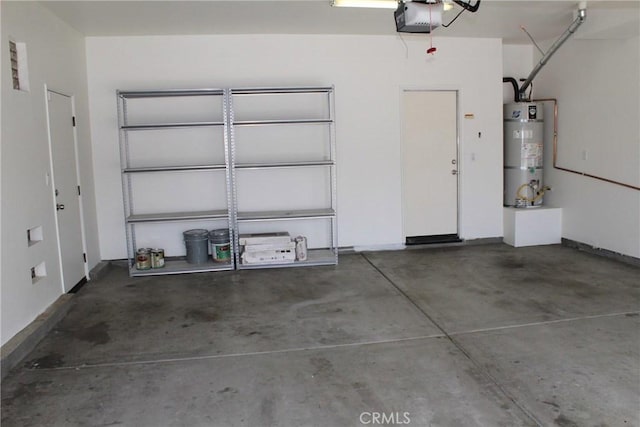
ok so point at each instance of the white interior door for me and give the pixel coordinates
(67, 192)
(430, 165)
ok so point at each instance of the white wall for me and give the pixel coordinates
(597, 85)
(517, 62)
(368, 73)
(56, 57)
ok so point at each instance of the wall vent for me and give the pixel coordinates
(38, 272)
(13, 51)
(18, 60)
(34, 235)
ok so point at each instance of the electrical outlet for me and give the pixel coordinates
(585, 154)
(34, 235)
(38, 272)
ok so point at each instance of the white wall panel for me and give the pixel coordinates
(369, 73)
(599, 133)
(56, 57)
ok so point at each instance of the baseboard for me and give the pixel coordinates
(627, 259)
(375, 248)
(484, 241)
(401, 247)
(26, 340)
(100, 270)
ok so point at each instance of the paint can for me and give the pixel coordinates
(220, 245)
(143, 259)
(301, 248)
(157, 258)
(197, 243)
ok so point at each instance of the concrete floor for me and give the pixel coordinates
(460, 336)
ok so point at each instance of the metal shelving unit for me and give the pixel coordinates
(324, 255)
(173, 168)
(285, 215)
(320, 251)
(133, 220)
(179, 216)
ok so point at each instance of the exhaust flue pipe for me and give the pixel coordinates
(582, 16)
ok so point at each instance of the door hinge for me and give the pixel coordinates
(73, 120)
(79, 190)
(84, 257)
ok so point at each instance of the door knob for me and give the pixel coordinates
(59, 207)
(454, 172)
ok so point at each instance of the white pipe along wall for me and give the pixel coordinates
(369, 73)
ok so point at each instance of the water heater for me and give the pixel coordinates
(523, 155)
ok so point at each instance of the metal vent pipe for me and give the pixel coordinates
(582, 16)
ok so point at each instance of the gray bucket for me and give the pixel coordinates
(197, 243)
(220, 245)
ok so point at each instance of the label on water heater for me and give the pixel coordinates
(531, 155)
(523, 134)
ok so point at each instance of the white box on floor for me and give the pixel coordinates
(270, 247)
(269, 257)
(532, 226)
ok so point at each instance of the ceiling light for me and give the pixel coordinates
(377, 4)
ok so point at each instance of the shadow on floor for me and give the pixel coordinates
(461, 336)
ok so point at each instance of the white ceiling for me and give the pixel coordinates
(495, 18)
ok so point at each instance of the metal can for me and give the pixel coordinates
(220, 245)
(143, 259)
(301, 248)
(157, 258)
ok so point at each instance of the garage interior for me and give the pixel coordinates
(441, 278)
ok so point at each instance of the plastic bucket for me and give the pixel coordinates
(197, 243)
(220, 245)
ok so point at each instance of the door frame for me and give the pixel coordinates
(459, 162)
(53, 183)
